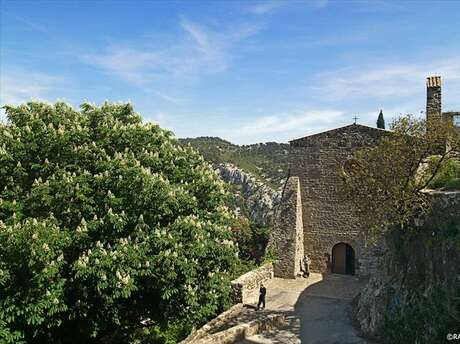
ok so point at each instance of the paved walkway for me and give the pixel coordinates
(316, 310)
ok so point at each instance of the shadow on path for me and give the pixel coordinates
(316, 310)
(323, 310)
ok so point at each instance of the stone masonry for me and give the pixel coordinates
(433, 98)
(327, 217)
(245, 289)
(287, 236)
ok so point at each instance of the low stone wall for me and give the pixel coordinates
(214, 324)
(243, 331)
(245, 289)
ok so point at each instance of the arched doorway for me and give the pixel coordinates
(343, 259)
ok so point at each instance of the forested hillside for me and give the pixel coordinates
(266, 161)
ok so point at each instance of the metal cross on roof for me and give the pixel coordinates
(355, 118)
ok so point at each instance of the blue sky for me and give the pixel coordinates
(245, 71)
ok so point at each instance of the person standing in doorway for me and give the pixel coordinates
(262, 293)
(306, 266)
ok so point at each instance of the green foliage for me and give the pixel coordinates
(385, 180)
(106, 221)
(266, 161)
(252, 240)
(427, 319)
(448, 177)
(158, 335)
(430, 304)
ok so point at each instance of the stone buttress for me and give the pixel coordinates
(287, 236)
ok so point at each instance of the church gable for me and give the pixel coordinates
(353, 135)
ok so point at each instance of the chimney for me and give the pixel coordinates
(433, 98)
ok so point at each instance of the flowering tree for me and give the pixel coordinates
(105, 222)
(385, 183)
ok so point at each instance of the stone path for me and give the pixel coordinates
(316, 310)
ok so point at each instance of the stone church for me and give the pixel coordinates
(312, 218)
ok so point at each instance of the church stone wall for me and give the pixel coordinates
(327, 217)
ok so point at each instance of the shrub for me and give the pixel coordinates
(424, 320)
(252, 240)
(448, 177)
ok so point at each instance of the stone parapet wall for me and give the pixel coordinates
(245, 289)
(243, 331)
(214, 324)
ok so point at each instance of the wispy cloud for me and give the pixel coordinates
(263, 7)
(384, 80)
(266, 6)
(131, 64)
(320, 3)
(27, 23)
(18, 86)
(170, 98)
(305, 121)
(199, 50)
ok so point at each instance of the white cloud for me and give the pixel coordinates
(320, 3)
(26, 22)
(396, 87)
(170, 98)
(18, 86)
(131, 64)
(295, 123)
(384, 80)
(265, 6)
(199, 50)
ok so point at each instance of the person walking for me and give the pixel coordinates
(306, 266)
(262, 293)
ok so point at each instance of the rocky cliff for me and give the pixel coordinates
(415, 296)
(256, 200)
